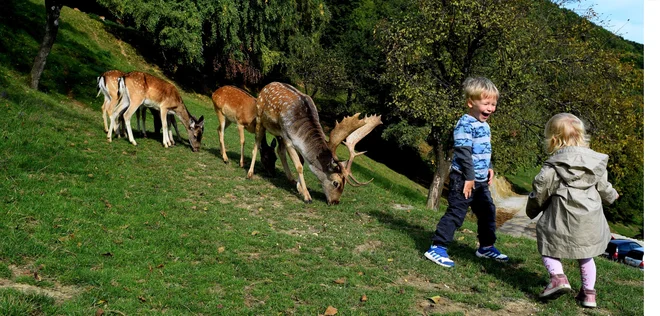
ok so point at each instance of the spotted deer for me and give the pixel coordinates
(234, 105)
(107, 84)
(138, 88)
(291, 115)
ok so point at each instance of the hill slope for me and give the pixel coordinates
(89, 225)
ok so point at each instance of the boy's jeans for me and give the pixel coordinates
(482, 207)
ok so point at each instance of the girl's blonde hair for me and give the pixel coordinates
(475, 88)
(565, 129)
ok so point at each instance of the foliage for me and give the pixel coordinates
(230, 39)
(543, 60)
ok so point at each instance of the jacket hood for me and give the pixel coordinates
(579, 167)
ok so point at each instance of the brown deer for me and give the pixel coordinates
(107, 83)
(287, 113)
(234, 105)
(138, 88)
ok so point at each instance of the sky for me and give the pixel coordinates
(622, 17)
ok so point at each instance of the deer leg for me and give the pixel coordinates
(259, 133)
(104, 109)
(302, 188)
(127, 119)
(241, 136)
(172, 122)
(114, 127)
(281, 153)
(166, 135)
(221, 136)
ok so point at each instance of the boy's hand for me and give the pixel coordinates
(491, 175)
(467, 188)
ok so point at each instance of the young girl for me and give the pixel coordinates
(569, 190)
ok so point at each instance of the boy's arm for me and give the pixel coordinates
(540, 191)
(463, 155)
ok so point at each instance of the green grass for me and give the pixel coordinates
(147, 230)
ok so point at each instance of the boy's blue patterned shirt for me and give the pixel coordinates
(472, 133)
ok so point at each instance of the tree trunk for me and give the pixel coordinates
(440, 139)
(53, 8)
(439, 176)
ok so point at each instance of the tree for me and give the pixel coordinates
(434, 49)
(544, 60)
(228, 40)
(53, 8)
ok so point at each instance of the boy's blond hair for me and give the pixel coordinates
(565, 129)
(476, 88)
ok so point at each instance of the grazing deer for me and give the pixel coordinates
(287, 113)
(138, 88)
(236, 105)
(107, 83)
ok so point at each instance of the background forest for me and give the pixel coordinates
(407, 60)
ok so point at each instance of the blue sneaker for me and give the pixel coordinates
(438, 254)
(491, 253)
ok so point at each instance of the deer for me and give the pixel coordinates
(287, 113)
(139, 88)
(109, 86)
(235, 105)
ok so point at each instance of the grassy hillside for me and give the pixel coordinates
(90, 226)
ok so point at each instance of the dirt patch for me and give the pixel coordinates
(445, 306)
(369, 246)
(58, 292)
(502, 217)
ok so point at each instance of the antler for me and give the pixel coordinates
(370, 123)
(342, 130)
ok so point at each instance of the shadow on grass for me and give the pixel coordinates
(385, 183)
(278, 179)
(512, 272)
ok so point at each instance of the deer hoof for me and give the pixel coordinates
(249, 175)
(134, 143)
(308, 201)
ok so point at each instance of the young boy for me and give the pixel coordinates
(471, 173)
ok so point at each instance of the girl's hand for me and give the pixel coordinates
(491, 175)
(467, 188)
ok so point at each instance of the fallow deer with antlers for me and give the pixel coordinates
(138, 88)
(238, 106)
(284, 111)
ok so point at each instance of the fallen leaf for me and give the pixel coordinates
(36, 276)
(340, 281)
(436, 299)
(330, 311)
(160, 266)
(460, 238)
(107, 254)
(99, 312)
(221, 249)
(254, 233)
(142, 299)
(163, 213)
(390, 260)
(363, 298)
(101, 302)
